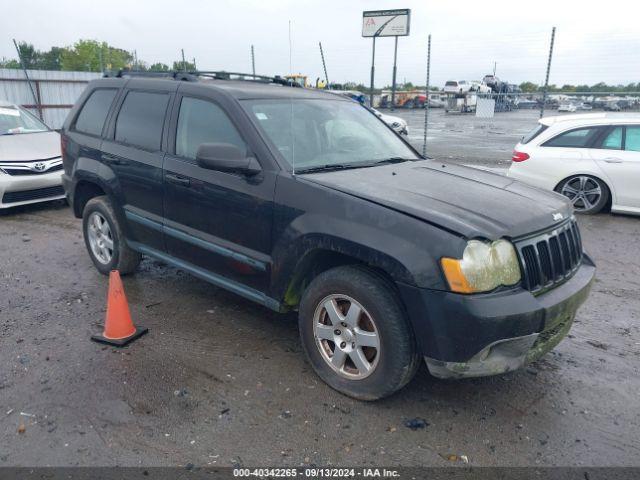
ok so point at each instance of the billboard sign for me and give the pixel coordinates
(386, 23)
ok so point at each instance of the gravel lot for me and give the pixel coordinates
(221, 381)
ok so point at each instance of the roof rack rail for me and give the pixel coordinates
(193, 76)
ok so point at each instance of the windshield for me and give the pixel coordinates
(313, 134)
(17, 120)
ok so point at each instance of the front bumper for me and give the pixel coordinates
(25, 189)
(488, 334)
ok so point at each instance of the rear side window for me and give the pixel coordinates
(200, 121)
(94, 111)
(579, 138)
(632, 140)
(141, 119)
(613, 140)
(534, 133)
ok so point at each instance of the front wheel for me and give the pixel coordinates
(588, 194)
(104, 238)
(355, 333)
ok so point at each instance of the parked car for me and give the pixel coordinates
(490, 80)
(479, 87)
(612, 106)
(593, 159)
(457, 86)
(436, 100)
(567, 107)
(398, 124)
(304, 201)
(30, 163)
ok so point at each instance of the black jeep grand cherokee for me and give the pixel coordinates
(302, 200)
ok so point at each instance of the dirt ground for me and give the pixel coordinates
(221, 381)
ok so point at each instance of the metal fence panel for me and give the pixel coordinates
(57, 91)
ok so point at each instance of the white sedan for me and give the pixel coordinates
(593, 159)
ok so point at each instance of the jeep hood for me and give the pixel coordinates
(464, 200)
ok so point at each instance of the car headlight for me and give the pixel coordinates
(483, 267)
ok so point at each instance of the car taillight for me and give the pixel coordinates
(519, 156)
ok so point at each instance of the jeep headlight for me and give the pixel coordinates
(483, 267)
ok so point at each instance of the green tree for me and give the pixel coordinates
(9, 63)
(29, 55)
(528, 87)
(50, 60)
(179, 66)
(86, 55)
(159, 67)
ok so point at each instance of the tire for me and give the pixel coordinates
(116, 254)
(394, 361)
(576, 189)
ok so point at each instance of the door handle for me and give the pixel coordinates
(113, 160)
(177, 179)
(613, 160)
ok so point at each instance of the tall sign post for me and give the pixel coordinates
(385, 23)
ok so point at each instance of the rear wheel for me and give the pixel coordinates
(355, 333)
(104, 238)
(588, 194)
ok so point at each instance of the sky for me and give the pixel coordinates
(593, 43)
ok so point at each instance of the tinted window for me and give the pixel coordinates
(534, 133)
(613, 141)
(579, 138)
(141, 119)
(95, 110)
(200, 121)
(632, 140)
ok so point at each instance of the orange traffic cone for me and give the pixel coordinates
(118, 326)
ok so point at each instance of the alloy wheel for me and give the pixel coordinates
(346, 336)
(100, 238)
(583, 191)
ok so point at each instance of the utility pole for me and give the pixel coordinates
(184, 63)
(426, 105)
(24, 69)
(373, 69)
(495, 64)
(546, 80)
(253, 61)
(324, 65)
(395, 69)
(194, 64)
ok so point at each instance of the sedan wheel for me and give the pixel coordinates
(587, 194)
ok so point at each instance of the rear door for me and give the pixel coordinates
(133, 151)
(618, 155)
(217, 221)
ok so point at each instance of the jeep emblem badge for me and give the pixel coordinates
(557, 217)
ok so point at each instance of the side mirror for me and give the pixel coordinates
(225, 157)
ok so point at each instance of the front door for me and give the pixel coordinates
(219, 222)
(619, 157)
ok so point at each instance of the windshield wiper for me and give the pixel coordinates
(330, 167)
(394, 160)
